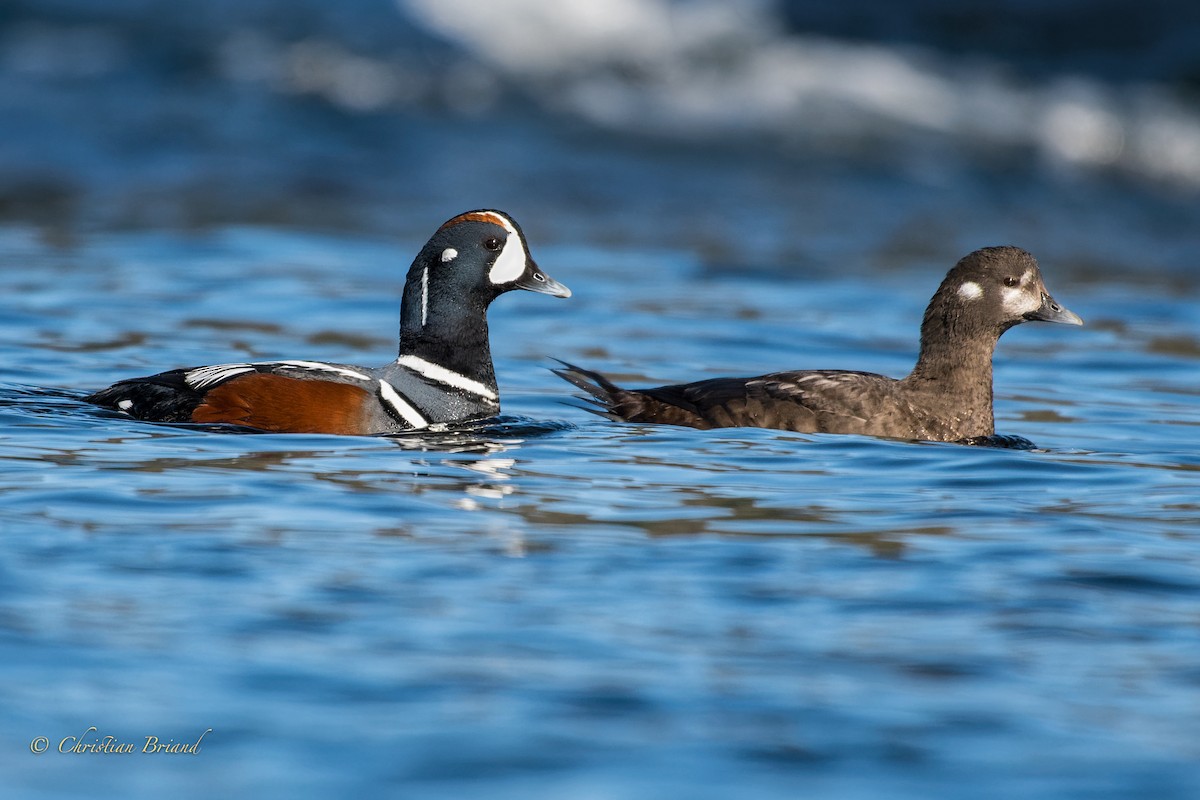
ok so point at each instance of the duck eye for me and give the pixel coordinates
(491, 243)
(1011, 281)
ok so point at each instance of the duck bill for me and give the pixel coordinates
(535, 280)
(1051, 311)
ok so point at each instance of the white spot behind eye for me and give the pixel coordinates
(125, 405)
(970, 290)
(449, 254)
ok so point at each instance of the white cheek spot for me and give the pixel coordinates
(125, 405)
(510, 264)
(449, 254)
(970, 290)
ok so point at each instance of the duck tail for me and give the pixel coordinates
(601, 392)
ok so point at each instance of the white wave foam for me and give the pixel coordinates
(710, 69)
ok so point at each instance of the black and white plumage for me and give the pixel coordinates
(443, 374)
(946, 397)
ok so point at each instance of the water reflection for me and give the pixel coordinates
(469, 468)
(485, 436)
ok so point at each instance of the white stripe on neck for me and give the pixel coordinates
(425, 294)
(393, 399)
(445, 377)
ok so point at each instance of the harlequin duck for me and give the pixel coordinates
(443, 375)
(947, 396)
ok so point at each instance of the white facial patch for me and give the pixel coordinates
(125, 405)
(449, 254)
(970, 290)
(1018, 300)
(511, 263)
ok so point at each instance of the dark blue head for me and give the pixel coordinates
(479, 255)
(470, 261)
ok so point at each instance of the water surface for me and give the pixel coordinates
(557, 604)
(550, 604)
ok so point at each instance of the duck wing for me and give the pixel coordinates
(830, 401)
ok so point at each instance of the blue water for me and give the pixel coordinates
(559, 605)
(550, 604)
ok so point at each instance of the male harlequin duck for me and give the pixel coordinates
(947, 397)
(444, 373)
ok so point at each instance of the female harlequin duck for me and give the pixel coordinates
(444, 373)
(947, 397)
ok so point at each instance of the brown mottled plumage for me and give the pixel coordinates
(947, 396)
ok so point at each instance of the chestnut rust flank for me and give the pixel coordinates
(286, 405)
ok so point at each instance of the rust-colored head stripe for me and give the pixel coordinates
(479, 216)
